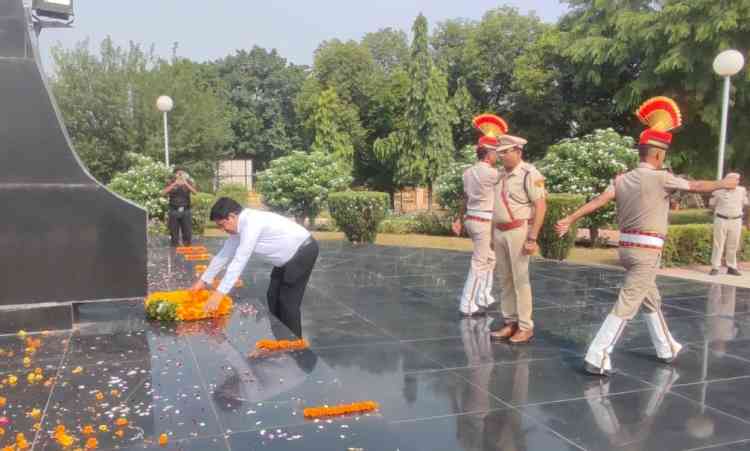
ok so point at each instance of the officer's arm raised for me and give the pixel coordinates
(594, 204)
(707, 186)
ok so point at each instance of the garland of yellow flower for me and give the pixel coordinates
(197, 257)
(341, 409)
(185, 250)
(190, 305)
(281, 345)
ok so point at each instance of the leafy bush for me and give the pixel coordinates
(427, 223)
(693, 216)
(299, 184)
(586, 166)
(358, 213)
(201, 204)
(691, 244)
(449, 187)
(143, 183)
(559, 206)
(235, 191)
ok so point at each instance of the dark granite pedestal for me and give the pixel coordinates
(383, 325)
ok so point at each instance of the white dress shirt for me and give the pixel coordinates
(272, 238)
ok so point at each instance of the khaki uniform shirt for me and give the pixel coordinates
(479, 186)
(642, 198)
(516, 193)
(729, 203)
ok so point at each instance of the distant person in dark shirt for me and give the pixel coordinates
(180, 218)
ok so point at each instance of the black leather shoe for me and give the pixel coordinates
(714, 272)
(596, 371)
(733, 272)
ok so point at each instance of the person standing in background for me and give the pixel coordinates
(728, 205)
(180, 218)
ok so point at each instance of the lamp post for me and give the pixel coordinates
(165, 105)
(726, 64)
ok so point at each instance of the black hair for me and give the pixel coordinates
(482, 153)
(223, 208)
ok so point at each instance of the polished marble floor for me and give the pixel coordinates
(383, 325)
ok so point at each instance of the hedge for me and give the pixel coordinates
(691, 216)
(426, 223)
(201, 204)
(236, 191)
(691, 244)
(358, 213)
(559, 206)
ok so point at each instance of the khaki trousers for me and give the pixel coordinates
(727, 234)
(482, 257)
(640, 282)
(513, 274)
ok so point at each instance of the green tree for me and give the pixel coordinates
(108, 103)
(388, 47)
(329, 123)
(586, 166)
(422, 145)
(261, 87)
(636, 49)
(299, 184)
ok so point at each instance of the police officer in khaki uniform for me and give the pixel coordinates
(642, 197)
(728, 206)
(518, 216)
(479, 187)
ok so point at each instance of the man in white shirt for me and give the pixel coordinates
(271, 238)
(728, 205)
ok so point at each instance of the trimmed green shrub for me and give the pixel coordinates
(235, 191)
(559, 206)
(201, 204)
(692, 243)
(692, 216)
(426, 223)
(358, 213)
(399, 225)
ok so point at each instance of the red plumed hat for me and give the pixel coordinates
(661, 115)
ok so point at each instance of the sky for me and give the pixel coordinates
(293, 27)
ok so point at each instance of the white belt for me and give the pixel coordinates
(642, 240)
(480, 214)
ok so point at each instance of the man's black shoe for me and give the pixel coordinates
(733, 272)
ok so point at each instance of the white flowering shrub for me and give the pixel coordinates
(143, 183)
(586, 166)
(449, 187)
(299, 184)
(358, 213)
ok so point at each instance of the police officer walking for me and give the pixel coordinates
(642, 198)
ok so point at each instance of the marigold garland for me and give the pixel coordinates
(197, 257)
(281, 345)
(190, 305)
(185, 250)
(340, 409)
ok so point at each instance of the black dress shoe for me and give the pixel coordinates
(713, 272)
(733, 272)
(596, 371)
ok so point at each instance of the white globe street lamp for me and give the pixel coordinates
(726, 64)
(165, 105)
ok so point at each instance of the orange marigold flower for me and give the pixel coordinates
(92, 443)
(121, 422)
(119, 433)
(99, 396)
(163, 440)
(88, 429)
(3, 401)
(341, 409)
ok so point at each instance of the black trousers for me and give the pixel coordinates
(288, 284)
(180, 221)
